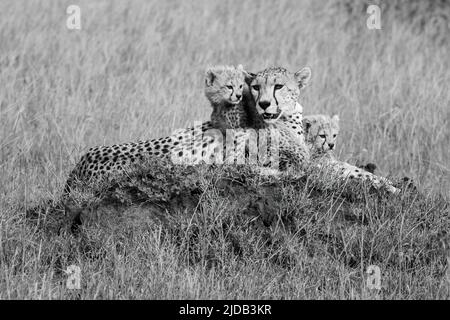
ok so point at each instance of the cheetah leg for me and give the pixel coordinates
(269, 172)
(345, 171)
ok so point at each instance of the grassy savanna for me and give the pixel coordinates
(135, 71)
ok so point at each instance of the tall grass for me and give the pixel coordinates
(135, 71)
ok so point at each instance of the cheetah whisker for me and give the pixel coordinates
(279, 116)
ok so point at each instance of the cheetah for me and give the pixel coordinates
(101, 161)
(233, 118)
(285, 92)
(276, 92)
(321, 133)
(269, 101)
(224, 88)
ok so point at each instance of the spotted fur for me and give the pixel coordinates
(276, 92)
(225, 88)
(321, 133)
(271, 105)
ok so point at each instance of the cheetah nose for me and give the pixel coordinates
(238, 96)
(331, 145)
(264, 104)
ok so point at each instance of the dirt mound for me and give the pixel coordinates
(210, 212)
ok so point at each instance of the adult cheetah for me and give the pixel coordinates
(225, 88)
(276, 92)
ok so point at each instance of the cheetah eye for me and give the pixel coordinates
(278, 86)
(255, 87)
(334, 136)
(230, 87)
(240, 87)
(322, 136)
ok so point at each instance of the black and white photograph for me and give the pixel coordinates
(243, 151)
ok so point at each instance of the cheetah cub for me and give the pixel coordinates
(227, 90)
(321, 134)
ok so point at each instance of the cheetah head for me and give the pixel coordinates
(321, 132)
(225, 84)
(276, 91)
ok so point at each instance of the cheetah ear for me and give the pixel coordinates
(249, 76)
(210, 76)
(303, 76)
(307, 123)
(335, 119)
(335, 123)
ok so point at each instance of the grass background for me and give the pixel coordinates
(135, 71)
